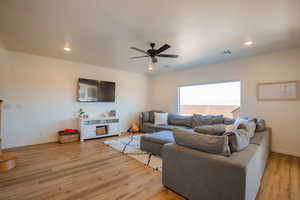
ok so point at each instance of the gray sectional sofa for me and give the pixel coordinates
(199, 175)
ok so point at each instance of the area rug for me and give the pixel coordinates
(130, 146)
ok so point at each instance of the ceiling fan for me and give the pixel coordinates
(153, 53)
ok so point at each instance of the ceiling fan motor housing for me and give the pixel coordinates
(151, 52)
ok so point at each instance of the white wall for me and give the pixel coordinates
(40, 96)
(283, 117)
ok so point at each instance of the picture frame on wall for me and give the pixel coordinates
(278, 91)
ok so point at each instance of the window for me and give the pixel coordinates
(211, 99)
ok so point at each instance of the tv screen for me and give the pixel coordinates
(95, 91)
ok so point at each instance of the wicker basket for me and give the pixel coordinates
(67, 137)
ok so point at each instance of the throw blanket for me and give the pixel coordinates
(239, 139)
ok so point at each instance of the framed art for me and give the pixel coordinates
(278, 91)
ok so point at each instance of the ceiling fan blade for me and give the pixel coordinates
(138, 57)
(154, 60)
(168, 55)
(140, 50)
(163, 48)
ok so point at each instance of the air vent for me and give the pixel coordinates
(226, 52)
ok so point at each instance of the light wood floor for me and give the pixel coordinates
(91, 170)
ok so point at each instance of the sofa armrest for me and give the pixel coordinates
(141, 121)
(199, 175)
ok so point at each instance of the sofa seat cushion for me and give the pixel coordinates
(162, 137)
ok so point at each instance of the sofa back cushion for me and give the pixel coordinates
(207, 143)
(180, 120)
(200, 120)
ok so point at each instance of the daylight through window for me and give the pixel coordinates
(212, 99)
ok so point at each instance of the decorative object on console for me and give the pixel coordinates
(81, 112)
(7, 160)
(112, 113)
(98, 127)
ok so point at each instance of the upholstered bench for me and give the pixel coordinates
(154, 142)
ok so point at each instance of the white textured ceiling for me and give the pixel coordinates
(100, 32)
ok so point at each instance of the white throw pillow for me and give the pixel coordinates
(160, 118)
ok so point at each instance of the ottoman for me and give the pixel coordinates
(154, 142)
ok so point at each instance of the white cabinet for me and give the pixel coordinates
(98, 127)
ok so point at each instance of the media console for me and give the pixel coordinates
(98, 127)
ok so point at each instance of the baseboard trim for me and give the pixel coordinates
(297, 154)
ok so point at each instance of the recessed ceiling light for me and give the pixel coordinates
(248, 43)
(150, 67)
(67, 49)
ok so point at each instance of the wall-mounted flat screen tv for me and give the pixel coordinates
(95, 91)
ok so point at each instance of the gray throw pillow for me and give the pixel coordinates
(180, 120)
(260, 125)
(207, 143)
(216, 129)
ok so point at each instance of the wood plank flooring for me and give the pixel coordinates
(92, 170)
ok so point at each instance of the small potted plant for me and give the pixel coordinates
(82, 113)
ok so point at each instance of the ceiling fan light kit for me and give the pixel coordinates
(154, 53)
